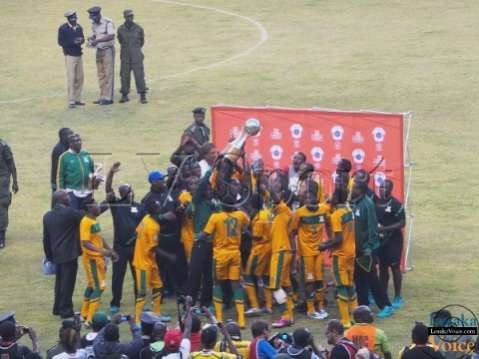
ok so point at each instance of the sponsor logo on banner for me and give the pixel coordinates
(358, 137)
(276, 154)
(317, 154)
(276, 134)
(255, 155)
(379, 178)
(316, 136)
(337, 135)
(336, 159)
(378, 134)
(296, 132)
(235, 132)
(358, 156)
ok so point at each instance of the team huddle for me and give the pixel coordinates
(223, 231)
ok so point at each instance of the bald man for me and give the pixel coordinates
(61, 244)
(126, 217)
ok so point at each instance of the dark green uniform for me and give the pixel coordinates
(132, 39)
(6, 160)
(200, 133)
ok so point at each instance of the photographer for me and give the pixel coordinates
(10, 348)
(70, 340)
(107, 343)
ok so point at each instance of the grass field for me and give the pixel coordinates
(385, 55)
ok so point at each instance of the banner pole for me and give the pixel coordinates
(408, 266)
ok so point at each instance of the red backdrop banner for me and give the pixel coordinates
(371, 140)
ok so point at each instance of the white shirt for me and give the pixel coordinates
(80, 354)
(100, 30)
(205, 167)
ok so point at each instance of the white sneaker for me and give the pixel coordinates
(253, 312)
(322, 314)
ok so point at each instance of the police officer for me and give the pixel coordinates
(131, 38)
(198, 132)
(7, 170)
(103, 39)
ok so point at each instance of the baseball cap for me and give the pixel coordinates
(100, 319)
(173, 340)
(155, 176)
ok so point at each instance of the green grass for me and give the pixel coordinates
(386, 55)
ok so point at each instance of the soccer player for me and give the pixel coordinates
(144, 260)
(391, 219)
(281, 257)
(343, 250)
(95, 250)
(226, 228)
(309, 223)
(257, 266)
(187, 230)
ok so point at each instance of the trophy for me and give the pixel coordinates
(232, 151)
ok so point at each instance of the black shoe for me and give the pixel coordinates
(79, 103)
(106, 102)
(143, 98)
(124, 99)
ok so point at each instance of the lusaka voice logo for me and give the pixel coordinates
(453, 329)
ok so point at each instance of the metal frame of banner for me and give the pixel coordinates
(409, 165)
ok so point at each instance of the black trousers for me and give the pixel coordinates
(366, 281)
(174, 274)
(65, 279)
(125, 255)
(200, 275)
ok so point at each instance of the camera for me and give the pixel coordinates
(181, 300)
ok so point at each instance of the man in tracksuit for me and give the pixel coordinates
(75, 168)
(367, 240)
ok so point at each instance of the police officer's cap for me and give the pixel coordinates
(94, 10)
(70, 13)
(201, 110)
(127, 12)
(8, 316)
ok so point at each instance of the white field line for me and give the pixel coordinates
(264, 36)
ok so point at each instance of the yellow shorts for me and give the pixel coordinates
(258, 263)
(227, 265)
(343, 270)
(312, 268)
(95, 270)
(280, 270)
(149, 278)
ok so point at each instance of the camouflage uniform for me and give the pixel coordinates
(6, 157)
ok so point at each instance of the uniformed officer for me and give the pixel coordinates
(198, 132)
(70, 38)
(7, 170)
(103, 39)
(131, 38)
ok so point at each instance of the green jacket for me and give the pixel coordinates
(201, 207)
(74, 170)
(131, 40)
(365, 225)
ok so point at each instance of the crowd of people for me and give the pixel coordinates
(216, 232)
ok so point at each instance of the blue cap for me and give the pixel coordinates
(155, 176)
